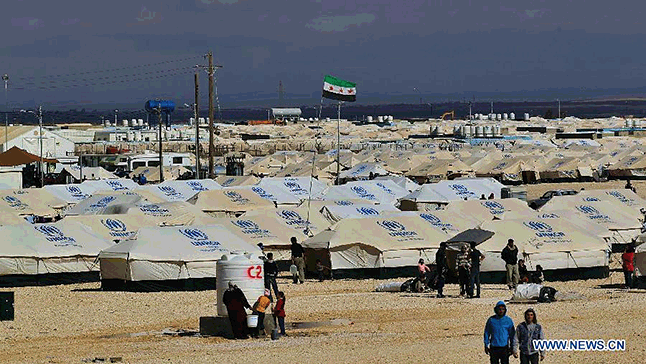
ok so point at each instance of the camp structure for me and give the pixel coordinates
(152, 173)
(102, 185)
(168, 258)
(302, 188)
(382, 192)
(234, 181)
(113, 227)
(37, 202)
(295, 219)
(230, 202)
(176, 213)
(72, 174)
(362, 171)
(563, 249)
(626, 197)
(336, 213)
(448, 221)
(48, 254)
(8, 217)
(71, 193)
(486, 210)
(115, 202)
(619, 219)
(436, 195)
(374, 246)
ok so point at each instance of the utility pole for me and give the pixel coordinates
(161, 160)
(40, 126)
(196, 114)
(559, 101)
(211, 116)
(5, 78)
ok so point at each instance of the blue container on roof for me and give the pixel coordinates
(167, 106)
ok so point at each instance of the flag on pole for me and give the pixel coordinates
(338, 89)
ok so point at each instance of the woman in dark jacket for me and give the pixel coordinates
(526, 333)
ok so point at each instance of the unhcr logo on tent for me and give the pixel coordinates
(294, 187)
(201, 240)
(395, 228)
(196, 186)
(117, 228)
(116, 185)
(549, 216)
(293, 218)
(228, 182)
(154, 210)
(76, 192)
(495, 207)
(359, 170)
(592, 213)
(251, 228)
(343, 203)
(461, 190)
(170, 192)
(619, 196)
(262, 193)
(591, 199)
(235, 197)
(361, 192)
(53, 234)
(102, 203)
(388, 190)
(15, 203)
(437, 222)
(543, 230)
(367, 211)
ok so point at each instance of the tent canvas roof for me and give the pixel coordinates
(16, 156)
(99, 204)
(231, 200)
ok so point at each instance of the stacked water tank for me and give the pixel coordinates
(496, 131)
(138, 136)
(498, 117)
(526, 116)
(133, 122)
(479, 131)
(245, 271)
(390, 118)
(202, 121)
(125, 123)
(488, 132)
(130, 136)
(505, 116)
(141, 122)
(369, 118)
(512, 116)
(380, 119)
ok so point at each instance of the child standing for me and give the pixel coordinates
(279, 312)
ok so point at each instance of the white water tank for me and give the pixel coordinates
(472, 130)
(125, 122)
(456, 130)
(202, 121)
(133, 122)
(167, 134)
(192, 121)
(245, 271)
(505, 116)
(380, 119)
(480, 116)
(479, 131)
(463, 131)
(488, 132)
(496, 130)
(491, 116)
(106, 123)
(498, 117)
(140, 122)
(130, 136)
(628, 124)
(390, 118)
(137, 136)
(369, 118)
(526, 116)
(512, 116)
(638, 123)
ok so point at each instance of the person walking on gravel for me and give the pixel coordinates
(298, 257)
(500, 336)
(526, 333)
(510, 256)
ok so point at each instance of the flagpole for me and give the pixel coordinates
(338, 143)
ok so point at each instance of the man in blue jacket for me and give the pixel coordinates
(499, 335)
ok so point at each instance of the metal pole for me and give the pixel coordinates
(115, 117)
(161, 160)
(5, 77)
(196, 113)
(338, 144)
(211, 116)
(559, 107)
(40, 125)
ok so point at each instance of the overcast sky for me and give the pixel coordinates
(387, 47)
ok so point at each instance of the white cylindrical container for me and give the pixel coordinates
(498, 117)
(140, 122)
(202, 121)
(133, 122)
(505, 116)
(491, 116)
(245, 271)
(488, 132)
(167, 134)
(496, 130)
(369, 118)
(125, 122)
(638, 123)
(512, 116)
(106, 123)
(380, 119)
(137, 136)
(391, 118)
(456, 130)
(526, 116)
(472, 130)
(192, 121)
(633, 123)
(463, 131)
(130, 136)
(479, 131)
(628, 123)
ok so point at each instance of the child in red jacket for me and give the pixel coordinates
(279, 312)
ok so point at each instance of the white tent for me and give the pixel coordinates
(402, 181)
(111, 185)
(32, 201)
(555, 245)
(72, 193)
(168, 193)
(176, 213)
(626, 197)
(450, 222)
(432, 195)
(89, 173)
(485, 210)
(368, 243)
(273, 193)
(100, 204)
(294, 218)
(335, 213)
(112, 227)
(363, 171)
(45, 248)
(168, 254)
(298, 187)
(230, 201)
(383, 192)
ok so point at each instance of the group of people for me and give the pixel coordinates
(236, 302)
(502, 339)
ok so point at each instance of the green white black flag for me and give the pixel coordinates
(337, 89)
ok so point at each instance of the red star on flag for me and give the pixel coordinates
(350, 91)
(341, 90)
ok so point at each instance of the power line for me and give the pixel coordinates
(110, 70)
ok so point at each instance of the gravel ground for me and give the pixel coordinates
(73, 323)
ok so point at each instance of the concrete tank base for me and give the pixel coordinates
(216, 326)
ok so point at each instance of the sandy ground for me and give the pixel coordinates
(73, 323)
(77, 323)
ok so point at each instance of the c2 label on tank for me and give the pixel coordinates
(255, 272)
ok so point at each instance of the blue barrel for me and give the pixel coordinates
(167, 106)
